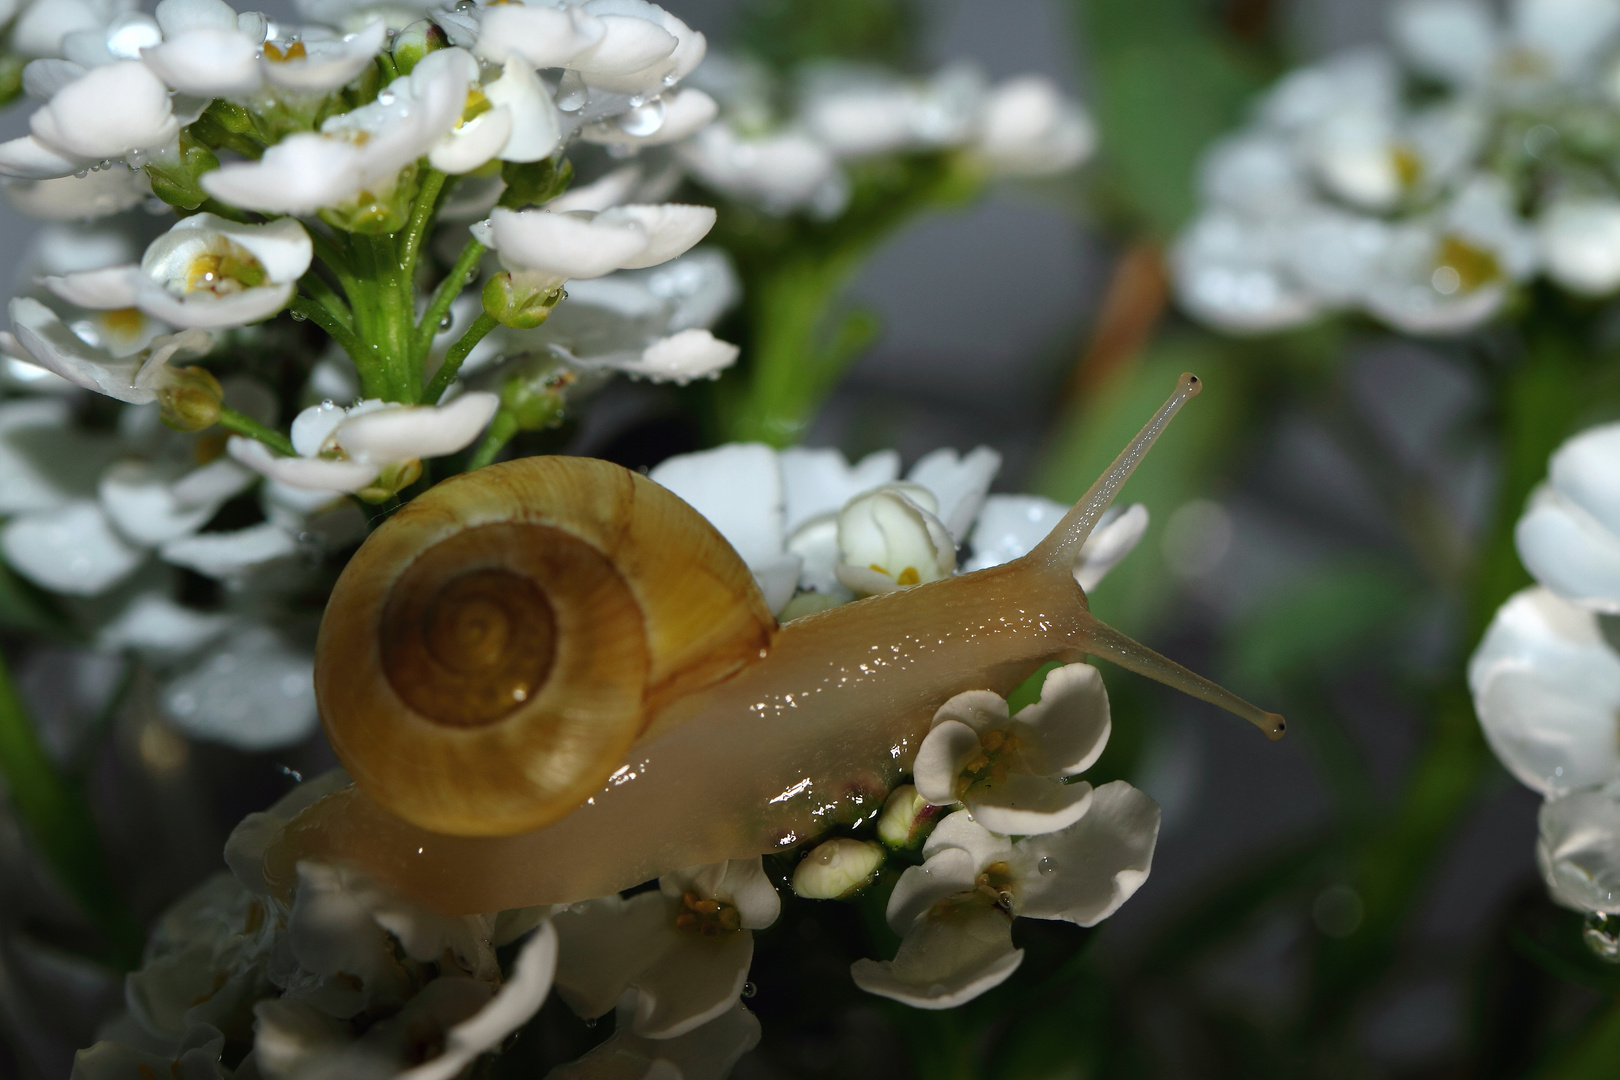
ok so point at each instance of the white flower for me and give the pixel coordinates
(344, 450)
(1578, 849)
(1580, 244)
(1028, 128)
(1454, 40)
(955, 911)
(1546, 687)
(643, 49)
(363, 149)
(679, 114)
(1009, 526)
(203, 51)
(1006, 769)
(205, 272)
(685, 948)
(75, 198)
(1228, 273)
(837, 868)
(858, 111)
(1569, 537)
(540, 36)
(108, 112)
(554, 247)
(136, 378)
(704, 1053)
(73, 549)
(316, 66)
(781, 171)
(891, 539)
(652, 323)
(152, 506)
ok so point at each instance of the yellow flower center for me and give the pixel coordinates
(996, 882)
(226, 267)
(1460, 267)
(477, 105)
(908, 576)
(276, 53)
(998, 754)
(707, 917)
(1408, 166)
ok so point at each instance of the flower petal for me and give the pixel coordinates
(72, 549)
(27, 158)
(228, 555)
(308, 474)
(604, 945)
(943, 754)
(1113, 539)
(946, 873)
(692, 983)
(1025, 805)
(567, 245)
(817, 482)
(959, 482)
(1578, 849)
(252, 692)
(423, 431)
(738, 488)
(671, 229)
(945, 959)
(1568, 550)
(1085, 872)
(1071, 718)
(57, 349)
(705, 1053)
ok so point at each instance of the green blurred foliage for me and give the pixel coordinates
(785, 32)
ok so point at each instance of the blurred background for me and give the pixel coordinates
(1359, 900)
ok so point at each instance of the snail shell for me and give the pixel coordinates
(495, 648)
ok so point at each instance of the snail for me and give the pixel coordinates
(551, 680)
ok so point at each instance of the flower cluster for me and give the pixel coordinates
(1422, 185)
(1546, 677)
(352, 177)
(793, 159)
(817, 531)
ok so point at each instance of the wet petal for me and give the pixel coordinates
(946, 958)
(1025, 805)
(1085, 872)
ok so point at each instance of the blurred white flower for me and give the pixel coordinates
(1006, 770)
(1028, 128)
(136, 377)
(1569, 536)
(685, 948)
(344, 449)
(1580, 244)
(954, 912)
(108, 112)
(205, 272)
(1546, 686)
(781, 171)
(1578, 849)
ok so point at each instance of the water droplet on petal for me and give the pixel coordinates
(643, 120)
(590, 1021)
(298, 316)
(749, 990)
(572, 92)
(1602, 936)
(444, 323)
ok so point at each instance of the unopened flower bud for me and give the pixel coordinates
(907, 819)
(393, 479)
(190, 399)
(518, 303)
(837, 869)
(416, 41)
(536, 400)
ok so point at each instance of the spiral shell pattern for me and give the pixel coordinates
(492, 652)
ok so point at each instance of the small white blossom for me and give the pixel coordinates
(343, 450)
(205, 272)
(685, 948)
(549, 247)
(1028, 128)
(108, 112)
(837, 868)
(891, 539)
(1006, 769)
(136, 377)
(1580, 244)
(954, 912)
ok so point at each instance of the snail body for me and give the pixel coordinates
(715, 735)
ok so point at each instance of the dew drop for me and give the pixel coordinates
(298, 316)
(1046, 866)
(643, 120)
(81, 174)
(1602, 935)
(444, 323)
(749, 990)
(572, 92)
(590, 1021)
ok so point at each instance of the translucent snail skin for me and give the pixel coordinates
(552, 680)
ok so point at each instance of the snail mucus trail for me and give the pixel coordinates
(620, 703)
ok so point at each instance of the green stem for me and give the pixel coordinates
(335, 258)
(58, 819)
(317, 313)
(242, 424)
(422, 215)
(445, 295)
(501, 431)
(453, 359)
(316, 288)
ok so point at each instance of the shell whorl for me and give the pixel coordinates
(492, 651)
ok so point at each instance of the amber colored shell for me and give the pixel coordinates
(491, 653)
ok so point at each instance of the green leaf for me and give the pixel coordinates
(1165, 85)
(786, 32)
(1318, 623)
